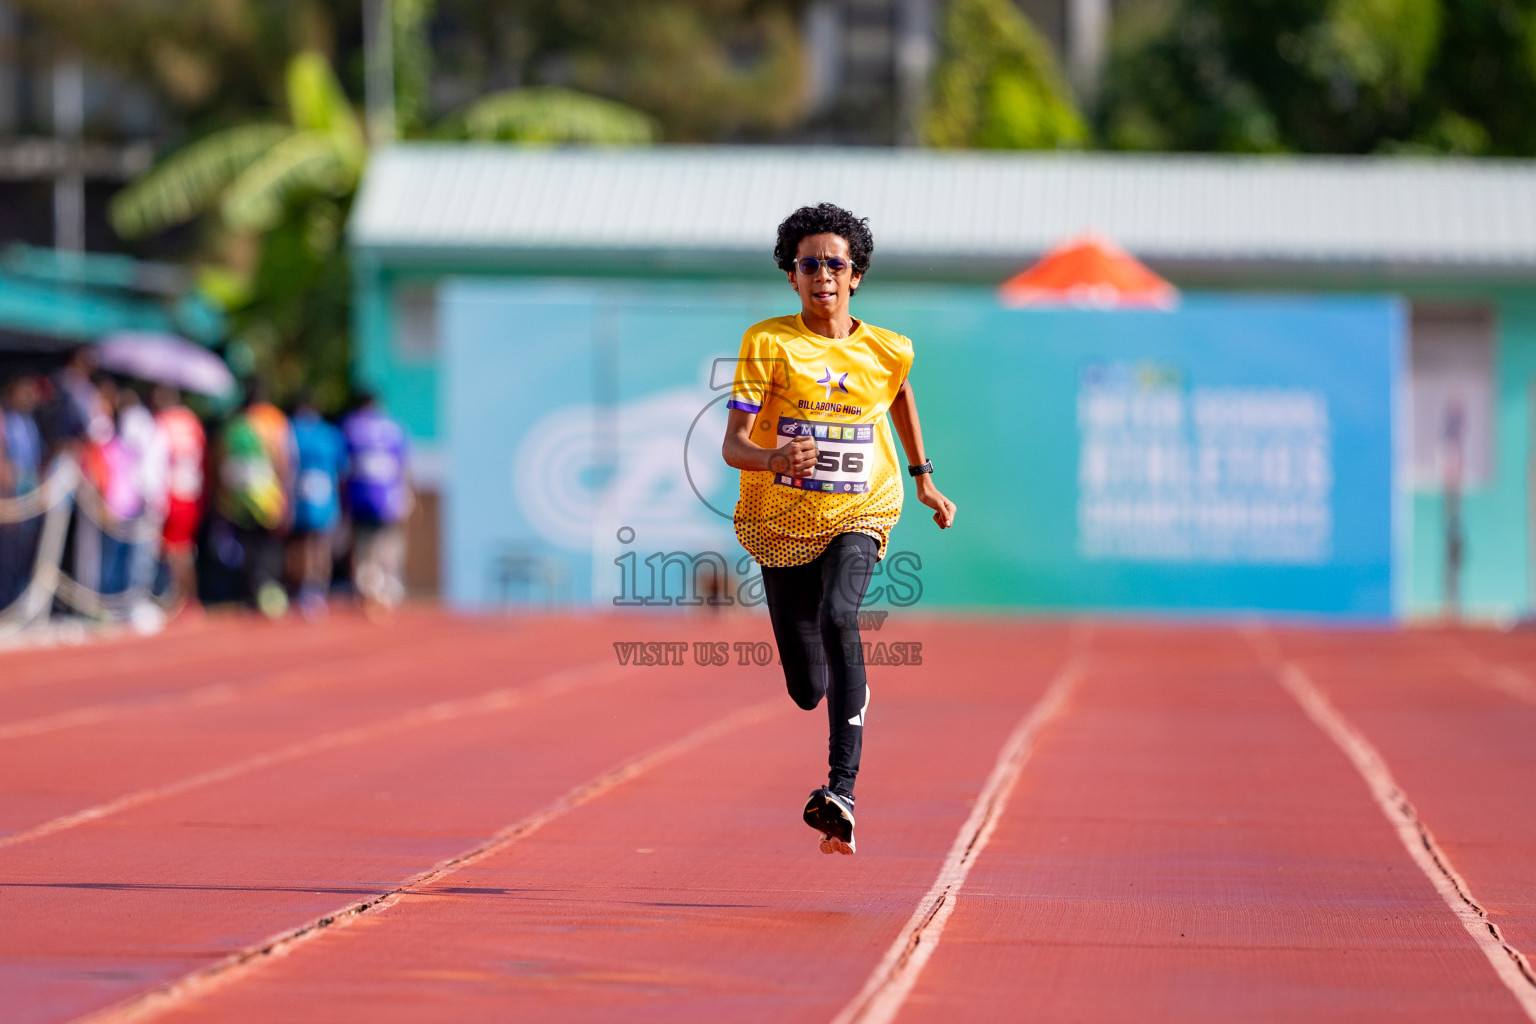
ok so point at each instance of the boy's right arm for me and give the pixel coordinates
(797, 458)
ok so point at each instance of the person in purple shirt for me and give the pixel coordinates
(378, 496)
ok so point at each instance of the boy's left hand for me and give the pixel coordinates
(943, 508)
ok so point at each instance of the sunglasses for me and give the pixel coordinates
(810, 264)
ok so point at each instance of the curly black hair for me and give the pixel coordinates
(824, 219)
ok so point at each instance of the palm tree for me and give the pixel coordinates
(252, 173)
(552, 116)
(277, 194)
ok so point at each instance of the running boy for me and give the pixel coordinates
(820, 484)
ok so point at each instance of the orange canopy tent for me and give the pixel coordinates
(1089, 271)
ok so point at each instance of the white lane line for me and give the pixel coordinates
(1512, 967)
(442, 711)
(176, 994)
(1510, 681)
(163, 659)
(95, 714)
(892, 980)
(314, 674)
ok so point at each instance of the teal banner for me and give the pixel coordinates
(1233, 455)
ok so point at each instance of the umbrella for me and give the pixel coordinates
(1089, 271)
(165, 359)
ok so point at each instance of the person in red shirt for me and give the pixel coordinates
(187, 444)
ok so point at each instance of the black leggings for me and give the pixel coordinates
(815, 613)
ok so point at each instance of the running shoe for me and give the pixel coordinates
(831, 814)
(272, 600)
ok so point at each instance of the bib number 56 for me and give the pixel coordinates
(849, 462)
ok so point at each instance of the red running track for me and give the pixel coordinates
(452, 819)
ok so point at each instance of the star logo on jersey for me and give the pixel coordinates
(833, 380)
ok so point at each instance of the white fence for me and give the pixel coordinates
(65, 496)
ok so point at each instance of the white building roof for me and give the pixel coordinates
(715, 206)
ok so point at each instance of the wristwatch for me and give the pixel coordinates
(926, 467)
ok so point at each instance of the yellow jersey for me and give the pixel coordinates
(836, 390)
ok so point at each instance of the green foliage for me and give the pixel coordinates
(289, 188)
(316, 103)
(271, 200)
(278, 197)
(295, 322)
(1484, 74)
(997, 85)
(413, 64)
(550, 115)
(191, 181)
(303, 167)
(254, 173)
(209, 62)
(706, 70)
(1340, 76)
(1385, 45)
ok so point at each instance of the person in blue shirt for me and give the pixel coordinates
(320, 456)
(21, 469)
(23, 440)
(379, 499)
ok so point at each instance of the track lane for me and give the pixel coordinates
(1457, 736)
(1295, 897)
(128, 660)
(396, 726)
(239, 655)
(231, 970)
(1511, 965)
(1187, 845)
(892, 979)
(124, 904)
(129, 698)
(50, 776)
(696, 893)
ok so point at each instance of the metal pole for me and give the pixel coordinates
(1453, 469)
(9, 74)
(1087, 27)
(822, 28)
(914, 62)
(379, 69)
(1530, 500)
(68, 126)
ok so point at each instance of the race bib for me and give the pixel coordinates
(185, 479)
(844, 454)
(378, 466)
(315, 487)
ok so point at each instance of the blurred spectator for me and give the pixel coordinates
(81, 411)
(114, 471)
(185, 446)
(7, 474)
(21, 469)
(69, 408)
(102, 467)
(150, 457)
(379, 499)
(65, 409)
(11, 572)
(276, 433)
(320, 456)
(142, 434)
(254, 495)
(23, 440)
